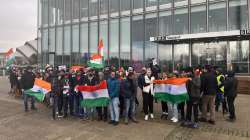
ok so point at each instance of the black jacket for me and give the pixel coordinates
(141, 81)
(27, 80)
(231, 85)
(209, 84)
(91, 82)
(129, 88)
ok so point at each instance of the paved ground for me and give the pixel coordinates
(37, 125)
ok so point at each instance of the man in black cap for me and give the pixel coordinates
(27, 82)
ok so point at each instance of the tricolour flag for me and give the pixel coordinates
(94, 96)
(100, 47)
(39, 90)
(172, 90)
(10, 58)
(96, 61)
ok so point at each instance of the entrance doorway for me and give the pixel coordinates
(213, 53)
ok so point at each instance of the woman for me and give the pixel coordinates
(147, 94)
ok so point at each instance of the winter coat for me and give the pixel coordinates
(27, 80)
(129, 88)
(195, 85)
(209, 84)
(231, 85)
(113, 87)
(141, 81)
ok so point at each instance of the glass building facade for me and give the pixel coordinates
(69, 32)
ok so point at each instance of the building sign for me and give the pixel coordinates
(245, 32)
(165, 38)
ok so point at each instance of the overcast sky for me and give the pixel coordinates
(18, 22)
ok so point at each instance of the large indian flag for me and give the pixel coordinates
(39, 90)
(94, 96)
(172, 90)
(10, 58)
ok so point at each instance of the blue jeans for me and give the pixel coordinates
(78, 110)
(172, 110)
(129, 107)
(26, 98)
(114, 109)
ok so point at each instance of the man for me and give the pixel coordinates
(129, 98)
(27, 81)
(114, 90)
(231, 85)
(210, 87)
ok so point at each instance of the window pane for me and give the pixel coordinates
(114, 42)
(161, 2)
(75, 47)
(93, 7)
(59, 12)
(84, 8)
(178, 3)
(165, 58)
(217, 17)
(125, 42)
(137, 38)
(239, 51)
(45, 7)
(76, 10)
(52, 41)
(66, 51)
(59, 45)
(104, 36)
(181, 56)
(197, 1)
(165, 23)
(67, 13)
(198, 19)
(238, 14)
(104, 6)
(137, 4)
(114, 6)
(150, 31)
(45, 45)
(84, 44)
(181, 21)
(150, 3)
(125, 5)
(93, 38)
(52, 12)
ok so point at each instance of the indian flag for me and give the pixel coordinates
(96, 61)
(172, 90)
(100, 48)
(39, 90)
(10, 58)
(94, 96)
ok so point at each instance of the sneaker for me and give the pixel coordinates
(151, 116)
(211, 122)
(60, 115)
(115, 123)
(172, 119)
(111, 122)
(175, 120)
(195, 125)
(146, 117)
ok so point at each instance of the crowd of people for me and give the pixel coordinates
(209, 88)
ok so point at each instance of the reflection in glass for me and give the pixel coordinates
(125, 42)
(114, 42)
(181, 21)
(93, 38)
(239, 51)
(137, 39)
(149, 3)
(66, 50)
(75, 45)
(165, 23)
(59, 12)
(197, 1)
(150, 30)
(181, 56)
(238, 14)
(217, 17)
(76, 10)
(161, 2)
(125, 5)
(67, 13)
(59, 46)
(214, 53)
(84, 8)
(137, 4)
(45, 45)
(104, 6)
(52, 12)
(93, 7)
(84, 44)
(165, 58)
(178, 3)
(45, 7)
(52, 41)
(103, 34)
(114, 6)
(198, 19)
